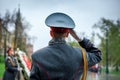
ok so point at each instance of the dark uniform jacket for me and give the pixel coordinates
(60, 61)
(11, 71)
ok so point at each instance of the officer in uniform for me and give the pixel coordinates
(58, 60)
(11, 72)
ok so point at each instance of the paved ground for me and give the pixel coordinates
(110, 77)
(94, 76)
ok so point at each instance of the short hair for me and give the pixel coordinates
(59, 30)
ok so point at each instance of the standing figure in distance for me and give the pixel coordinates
(11, 68)
(58, 60)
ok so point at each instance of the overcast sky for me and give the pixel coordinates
(85, 13)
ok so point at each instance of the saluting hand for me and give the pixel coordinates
(74, 35)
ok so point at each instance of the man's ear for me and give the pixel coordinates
(67, 34)
(51, 33)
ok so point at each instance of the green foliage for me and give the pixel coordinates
(112, 28)
(114, 72)
(73, 43)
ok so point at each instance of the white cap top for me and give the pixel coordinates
(59, 20)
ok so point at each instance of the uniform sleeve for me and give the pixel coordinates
(9, 66)
(93, 53)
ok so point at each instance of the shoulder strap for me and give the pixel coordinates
(84, 75)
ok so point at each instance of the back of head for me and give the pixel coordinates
(59, 23)
(59, 30)
(9, 49)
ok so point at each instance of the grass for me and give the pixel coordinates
(2, 69)
(2, 66)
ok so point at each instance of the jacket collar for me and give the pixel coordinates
(57, 41)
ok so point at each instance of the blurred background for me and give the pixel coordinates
(22, 25)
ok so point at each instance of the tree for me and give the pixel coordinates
(20, 30)
(112, 28)
(4, 30)
(19, 25)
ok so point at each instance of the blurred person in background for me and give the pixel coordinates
(11, 67)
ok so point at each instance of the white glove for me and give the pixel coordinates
(20, 69)
(78, 37)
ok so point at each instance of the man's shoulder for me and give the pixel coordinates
(75, 48)
(39, 52)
